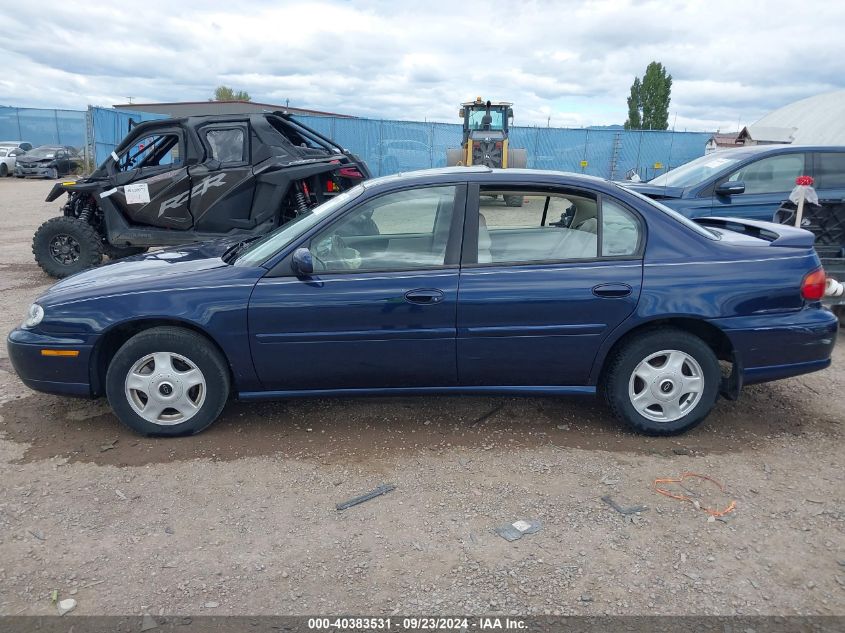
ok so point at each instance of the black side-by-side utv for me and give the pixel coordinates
(192, 179)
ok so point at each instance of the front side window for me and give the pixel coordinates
(546, 227)
(150, 151)
(397, 231)
(775, 174)
(227, 145)
(830, 170)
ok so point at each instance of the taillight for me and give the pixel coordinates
(812, 286)
(350, 172)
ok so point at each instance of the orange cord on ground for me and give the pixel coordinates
(682, 497)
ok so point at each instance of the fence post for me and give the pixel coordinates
(431, 127)
(18, 117)
(56, 120)
(380, 145)
(90, 142)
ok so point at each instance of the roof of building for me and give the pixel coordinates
(209, 104)
(818, 120)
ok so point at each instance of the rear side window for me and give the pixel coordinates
(620, 230)
(227, 145)
(775, 174)
(830, 170)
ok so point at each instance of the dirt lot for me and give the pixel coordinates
(242, 519)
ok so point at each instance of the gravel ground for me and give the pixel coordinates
(241, 519)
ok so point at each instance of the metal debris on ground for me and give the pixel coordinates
(622, 509)
(148, 623)
(108, 446)
(684, 497)
(515, 530)
(383, 489)
(67, 605)
(38, 534)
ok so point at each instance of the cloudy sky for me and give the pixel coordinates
(565, 63)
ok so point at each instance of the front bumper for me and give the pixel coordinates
(64, 375)
(774, 346)
(43, 172)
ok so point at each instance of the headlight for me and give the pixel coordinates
(33, 316)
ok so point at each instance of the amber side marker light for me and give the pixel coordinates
(72, 353)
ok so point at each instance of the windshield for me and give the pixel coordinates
(476, 121)
(696, 171)
(42, 152)
(671, 212)
(273, 242)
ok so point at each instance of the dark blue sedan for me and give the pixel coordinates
(430, 283)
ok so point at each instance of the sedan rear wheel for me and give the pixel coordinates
(167, 381)
(663, 382)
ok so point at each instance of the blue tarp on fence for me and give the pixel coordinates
(391, 146)
(43, 127)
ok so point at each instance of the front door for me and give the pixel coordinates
(379, 311)
(768, 182)
(152, 184)
(539, 291)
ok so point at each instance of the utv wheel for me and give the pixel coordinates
(4, 170)
(119, 252)
(663, 382)
(167, 381)
(64, 246)
(514, 201)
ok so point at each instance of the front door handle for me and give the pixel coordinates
(612, 291)
(424, 296)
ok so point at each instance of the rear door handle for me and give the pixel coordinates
(424, 296)
(612, 291)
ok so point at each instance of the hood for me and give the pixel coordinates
(171, 268)
(652, 191)
(24, 160)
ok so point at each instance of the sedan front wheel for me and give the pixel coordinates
(167, 381)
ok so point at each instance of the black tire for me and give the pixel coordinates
(18, 175)
(619, 379)
(4, 170)
(119, 252)
(514, 201)
(85, 244)
(193, 347)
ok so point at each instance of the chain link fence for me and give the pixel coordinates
(392, 146)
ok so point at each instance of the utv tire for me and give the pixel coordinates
(119, 252)
(514, 201)
(662, 382)
(167, 381)
(64, 246)
(4, 170)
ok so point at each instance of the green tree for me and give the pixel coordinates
(225, 93)
(648, 105)
(634, 121)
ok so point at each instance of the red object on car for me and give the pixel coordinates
(812, 286)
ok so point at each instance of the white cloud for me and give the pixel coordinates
(567, 63)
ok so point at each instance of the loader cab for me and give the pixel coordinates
(483, 118)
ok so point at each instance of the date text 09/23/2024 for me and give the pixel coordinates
(417, 623)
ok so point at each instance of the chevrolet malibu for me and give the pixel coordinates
(429, 283)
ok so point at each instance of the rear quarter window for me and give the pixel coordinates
(830, 170)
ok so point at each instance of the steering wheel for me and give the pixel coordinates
(337, 254)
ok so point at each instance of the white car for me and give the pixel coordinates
(7, 159)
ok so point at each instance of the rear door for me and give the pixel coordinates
(768, 182)
(223, 183)
(542, 285)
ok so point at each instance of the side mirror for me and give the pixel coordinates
(510, 113)
(730, 188)
(302, 262)
(461, 113)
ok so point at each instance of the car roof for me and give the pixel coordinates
(755, 150)
(480, 174)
